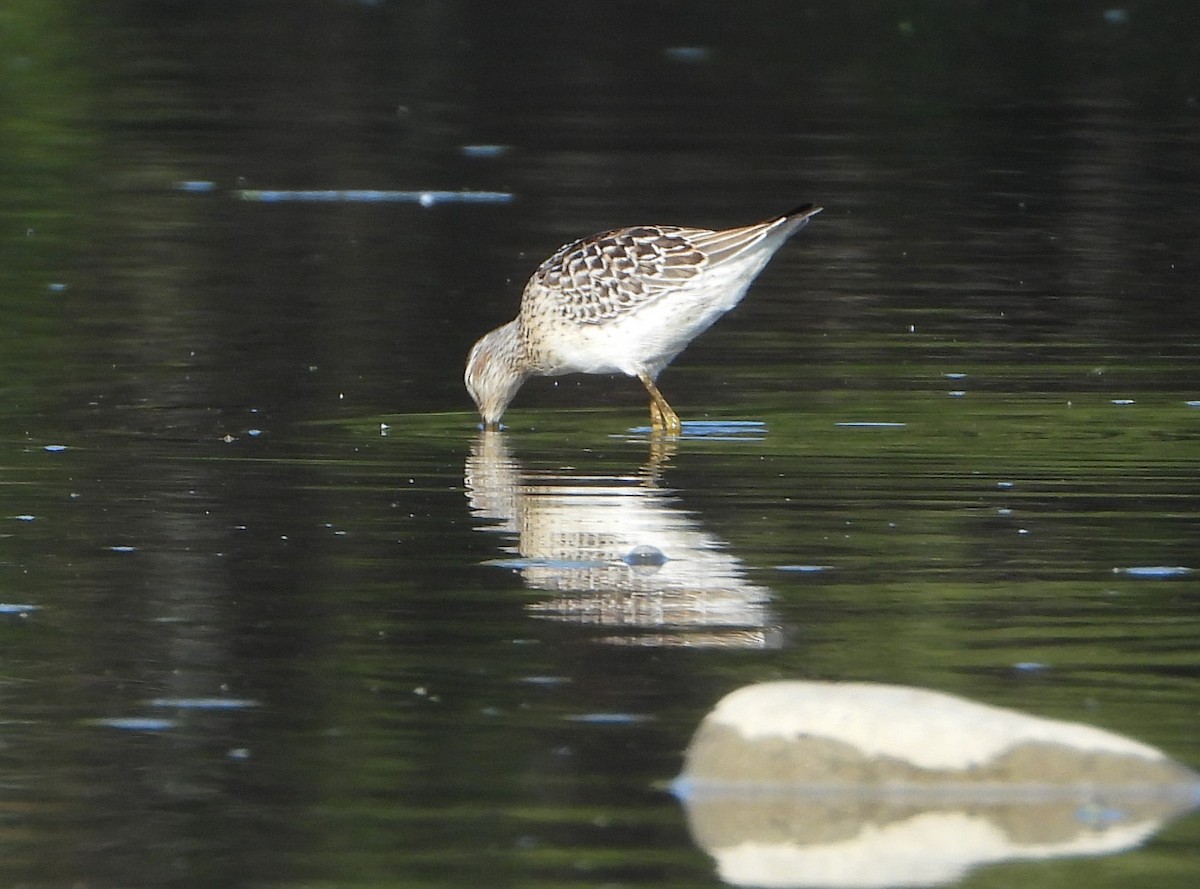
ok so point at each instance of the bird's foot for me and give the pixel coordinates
(663, 420)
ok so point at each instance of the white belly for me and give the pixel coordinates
(645, 340)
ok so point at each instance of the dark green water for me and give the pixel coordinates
(254, 638)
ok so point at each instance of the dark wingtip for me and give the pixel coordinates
(804, 210)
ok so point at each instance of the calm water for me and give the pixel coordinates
(275, 613)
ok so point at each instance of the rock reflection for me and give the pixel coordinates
(616, 551)
(855, 784)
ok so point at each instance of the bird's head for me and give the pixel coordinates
(495, 371)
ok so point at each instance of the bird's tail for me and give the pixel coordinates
(762, 237)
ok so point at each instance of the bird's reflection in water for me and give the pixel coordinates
(616, 551)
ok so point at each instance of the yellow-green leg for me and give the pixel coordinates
(662, 418)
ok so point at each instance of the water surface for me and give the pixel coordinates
(275, 612)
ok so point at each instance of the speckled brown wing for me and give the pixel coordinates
(599, 278)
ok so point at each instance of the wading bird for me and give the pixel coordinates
(623, 301)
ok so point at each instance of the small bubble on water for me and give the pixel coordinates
(19, 610)
(1154, 572)
(545, 680)
(1030, 667)
(609, 718)
(134, 723)
(645, 556)
(692, 55)
(483, 150)
(204, 703)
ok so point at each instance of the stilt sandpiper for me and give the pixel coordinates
(623, 301)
